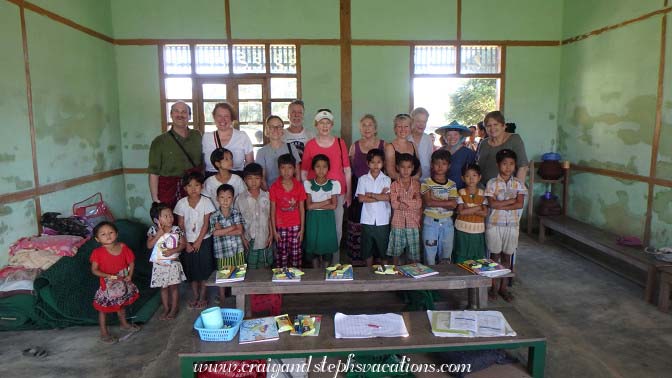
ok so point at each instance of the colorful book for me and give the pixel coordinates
(165, 242)
(284, 323)
(386, 269)
(231, 273)
(287, 274)
(258, 330)
(417, 270)
(339, 273)
(306, 325)
(485, 267)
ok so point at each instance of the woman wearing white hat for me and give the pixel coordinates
(453, 135)
(339, 161)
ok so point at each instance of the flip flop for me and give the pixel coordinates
(132, 329)
(36, 352)
(201, 305)
(108, 339)
(192, 305)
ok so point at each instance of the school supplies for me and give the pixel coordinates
(339, 272)
(484, 267)
(287, 274)
(469, 324)
(369, 326)
(386, 269)
(166, 241)
(283, 322)
(417, 270)
(231, 273)
(306, 325)
(258, 330)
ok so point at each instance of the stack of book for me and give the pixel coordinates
(339, 273)
(485, 267)
(231, 274)
(417, 270)
(469, 324)
(287, 274)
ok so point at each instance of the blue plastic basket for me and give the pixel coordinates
(232, 317)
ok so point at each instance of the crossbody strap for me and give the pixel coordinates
(182, 148)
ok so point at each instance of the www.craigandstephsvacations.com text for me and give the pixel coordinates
(321, 365)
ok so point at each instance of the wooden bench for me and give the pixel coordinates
(450, 277)
(606, 243)
(664, 288)
(420, 340)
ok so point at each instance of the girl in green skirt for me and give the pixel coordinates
(320, 239)
(470, 222)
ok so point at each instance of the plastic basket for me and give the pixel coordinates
(231, 316)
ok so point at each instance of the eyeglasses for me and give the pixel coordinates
(402, 115)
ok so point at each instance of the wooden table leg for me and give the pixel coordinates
(542, 232)
(240, 303)
(664, 295)
(478, 297)
(650, 283)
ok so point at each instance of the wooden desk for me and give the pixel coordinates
(420, 340)
(450, 277)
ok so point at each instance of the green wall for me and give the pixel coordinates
(321, 82)
(15, 152)
(380, 89)
(511, 19)
(606, 115)
(316, 19)
(75, 112)
(420, 19)
(168, 19)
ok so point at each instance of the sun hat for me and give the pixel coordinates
(454, 126)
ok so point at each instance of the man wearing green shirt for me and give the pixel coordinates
(172, 154)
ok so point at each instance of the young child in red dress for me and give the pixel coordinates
(113, 262)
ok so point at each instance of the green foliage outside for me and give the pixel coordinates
(472, 101)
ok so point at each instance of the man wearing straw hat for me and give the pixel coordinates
(453, 134)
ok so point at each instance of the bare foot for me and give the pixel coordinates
(164, 315)
(171, 315)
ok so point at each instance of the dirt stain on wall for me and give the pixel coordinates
(618, 216)
(135, 203)
(19, 184)
(5, 157)
(581, 206)
(140, 147)
(629, 167)
(639, 111)
(662, 206)
(5, 210)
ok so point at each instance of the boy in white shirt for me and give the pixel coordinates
(373, 190)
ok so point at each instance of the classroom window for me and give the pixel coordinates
(452, 91)
(257, 79)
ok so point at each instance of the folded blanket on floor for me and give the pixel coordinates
(18, 313)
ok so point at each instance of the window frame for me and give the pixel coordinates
(458, 69)
(232, 80)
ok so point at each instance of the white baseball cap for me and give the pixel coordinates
(324, 114)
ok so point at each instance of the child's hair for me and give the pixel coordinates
(496, 115)
(253, 169)
(441, 154)
(197, 176)
(226, 188)
(471, 167)
(408, 157)
(320, 157)
(103, 224)
(286, 159)
(156, 209)
(373, 153)
(505, 153)
(218, 154)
